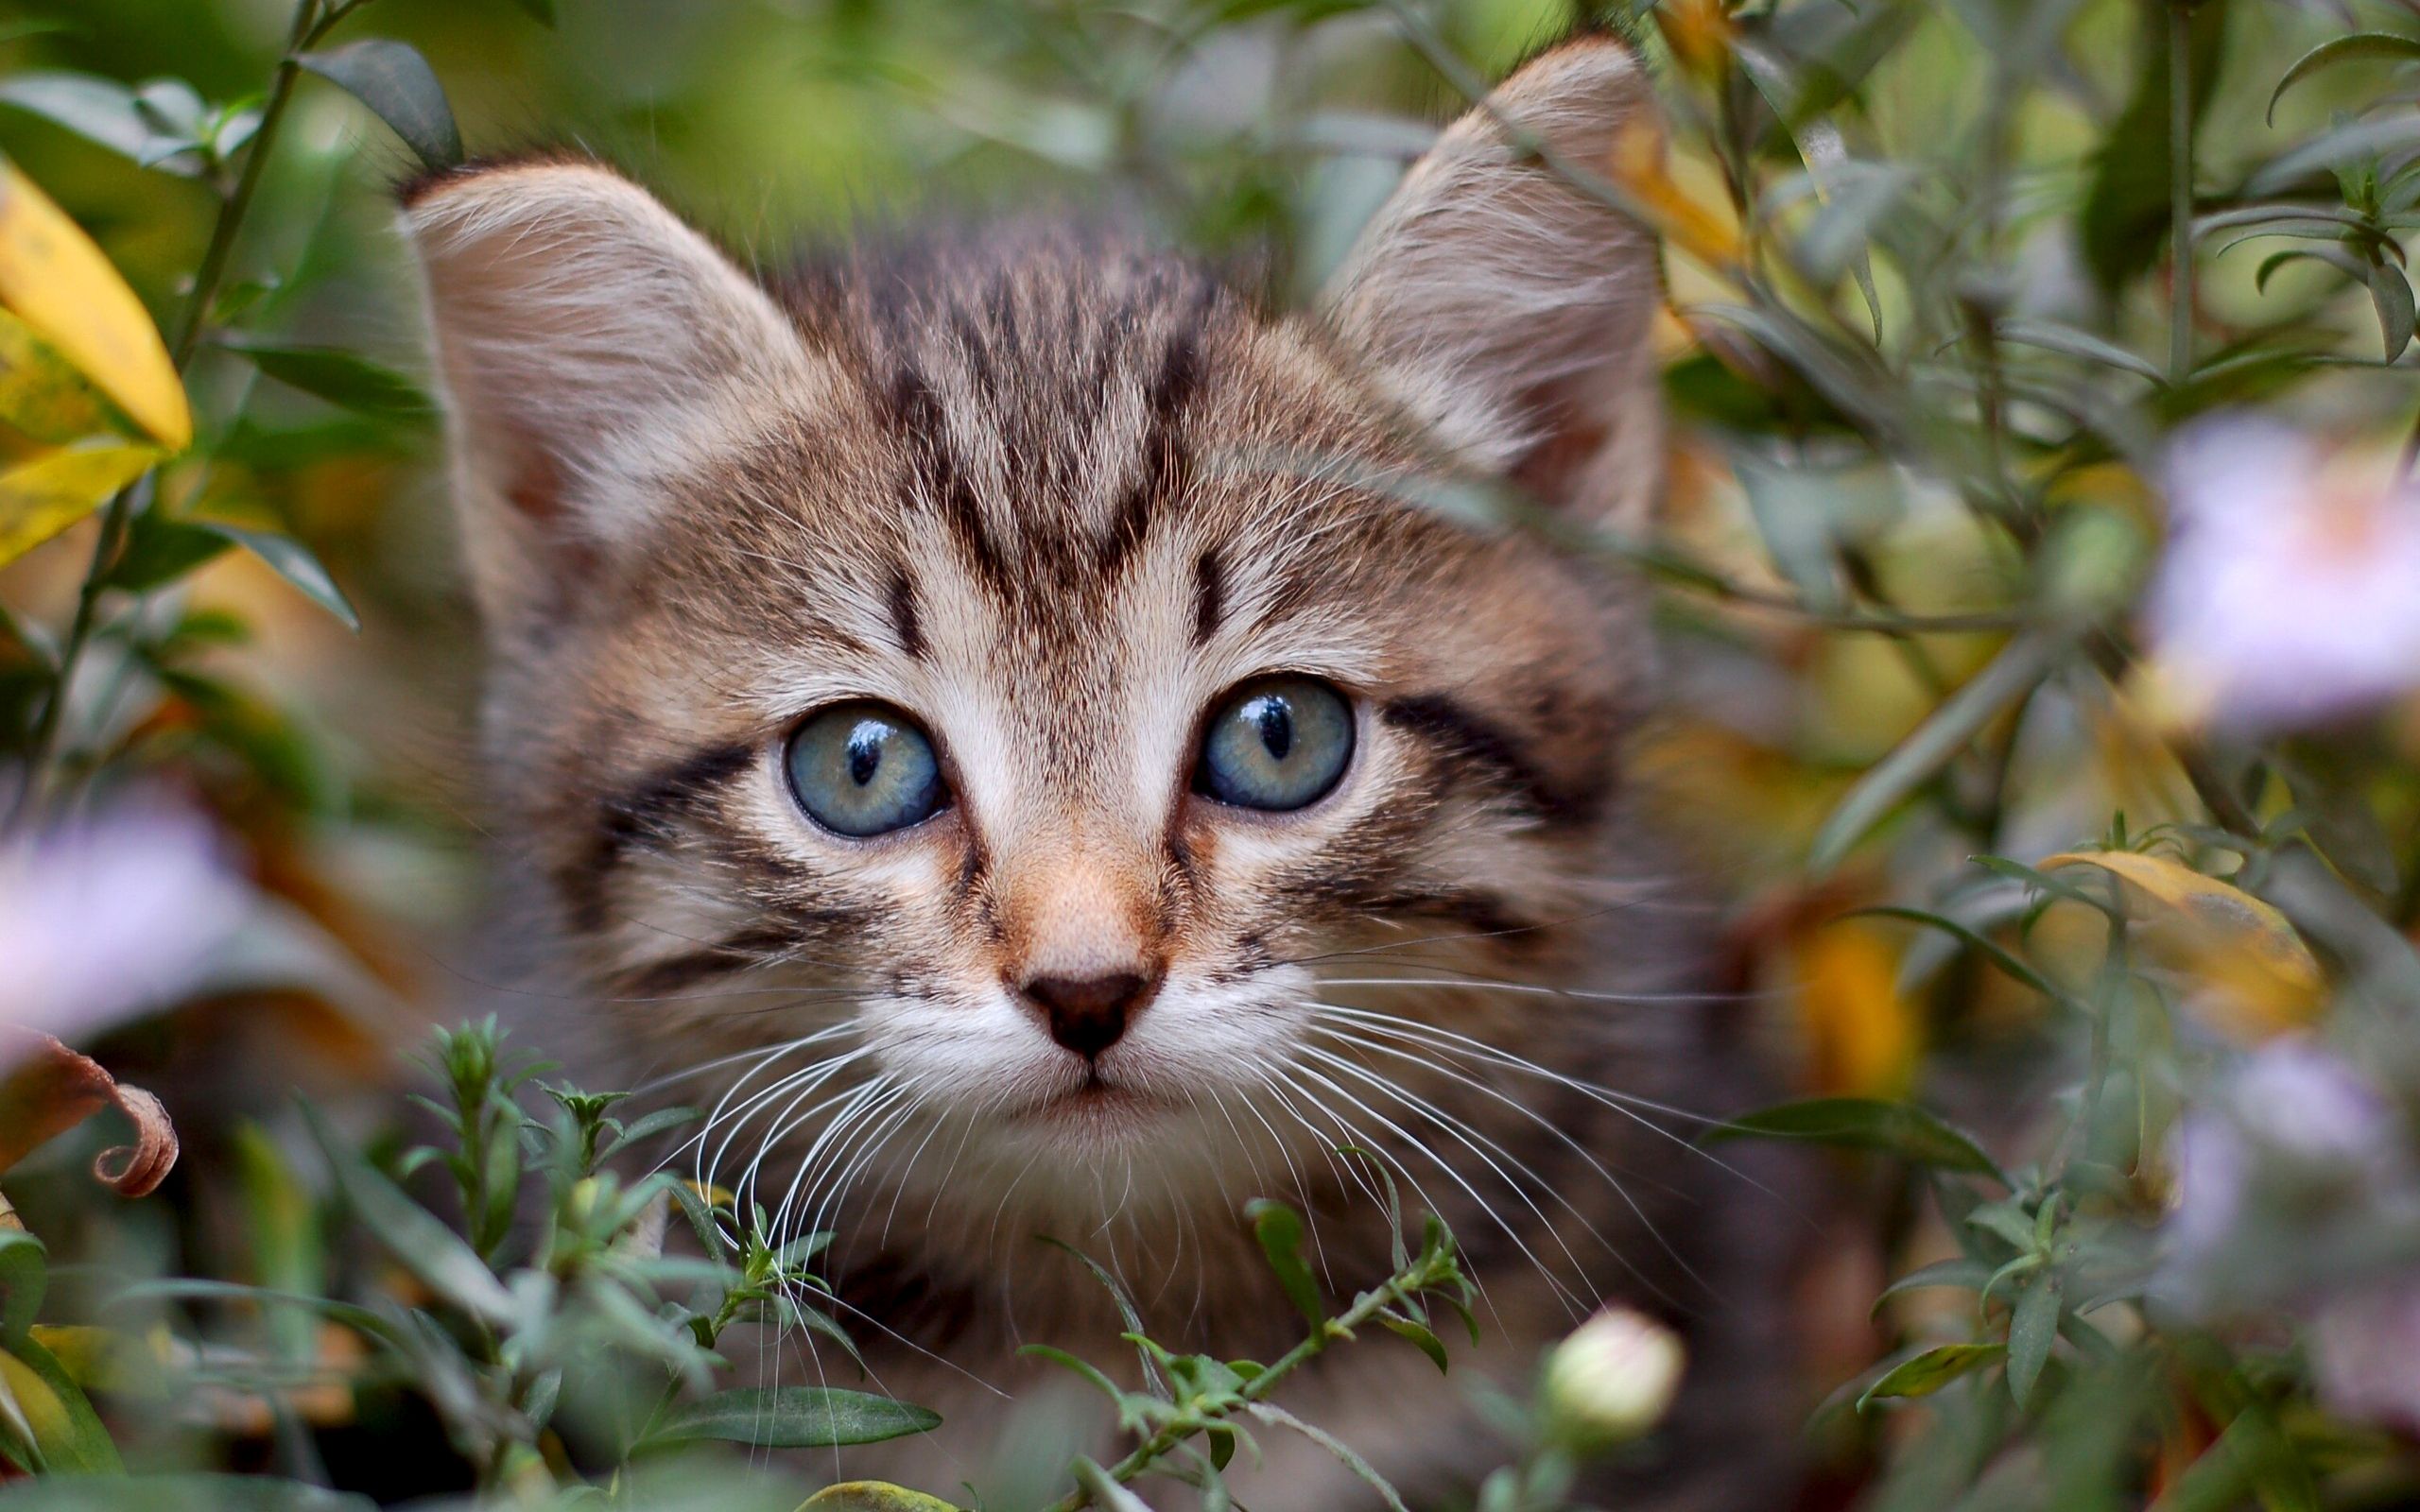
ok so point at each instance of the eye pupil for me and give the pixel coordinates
(1276, 725)
(865, 752)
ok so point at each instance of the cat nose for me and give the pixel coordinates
(1088, 1014)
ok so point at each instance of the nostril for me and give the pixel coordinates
(1089, 1014)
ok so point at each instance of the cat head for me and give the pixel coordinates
(1026, 663)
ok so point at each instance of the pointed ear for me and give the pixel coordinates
(1506, 308)
(591, 347)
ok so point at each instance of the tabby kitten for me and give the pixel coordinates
(995, 720)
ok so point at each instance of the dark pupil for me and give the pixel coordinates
(865, 751)
(1276, 723)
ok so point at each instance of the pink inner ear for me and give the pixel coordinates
(1573, 438)
(536, 488)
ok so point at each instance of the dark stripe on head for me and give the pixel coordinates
(903, 614)
(1209, 595)
(1473, 741)
(645, 817)
(1166, 464)
(916, 412)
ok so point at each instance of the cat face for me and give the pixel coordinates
(1026, 667)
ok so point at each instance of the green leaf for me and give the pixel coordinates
(38, 1394)
(2032, 1330)
(2391, 295)
(2068, 341)
(1279, 1229)
(2360, 44)
(1426, 1342)
(1926, 1373)
(294, 561)
(343, 379)
(160, 550)
(1867, 1124)
(2016, 672)
(1126, 1311)
(101, 111)
(395, 81)
(793, 1417)
(410, 1232)
(1967, 1275)
(25, 1274)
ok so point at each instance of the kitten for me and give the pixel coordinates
(998, 718)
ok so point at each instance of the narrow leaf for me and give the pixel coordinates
(2021, 664)
(1927, 1372)
(2032, 1330)
(294, 561)
(410, 1232)
(793, 1417)
(2361, 44)
(1867, 1124)
(1279, 1229)
(2391, 295)
(342, 378)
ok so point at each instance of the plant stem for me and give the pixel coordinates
(2179, 192)
(119, 516)
(1398, 1288)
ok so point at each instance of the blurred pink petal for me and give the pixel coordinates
(111, 917)
(2286, 595)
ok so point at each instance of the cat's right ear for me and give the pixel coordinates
(590, 346)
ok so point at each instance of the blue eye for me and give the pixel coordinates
(1279, 743)
(864, 769)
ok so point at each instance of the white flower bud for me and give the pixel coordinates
(1611, 1381)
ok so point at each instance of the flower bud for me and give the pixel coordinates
(1611, 1381)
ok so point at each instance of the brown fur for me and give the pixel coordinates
(1054, 494)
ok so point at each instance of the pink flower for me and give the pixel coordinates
(2366, 1346)
(2286, 595)
(110, 917)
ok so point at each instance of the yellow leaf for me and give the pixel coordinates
(41, 392)
(1861, 1034)
(29, 1405)
(1638, 166)
(2266, 979)
(43, 496)
(102, 1360)
(873, 1496)
(65, 290)
(1699, 33)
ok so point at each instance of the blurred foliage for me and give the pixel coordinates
(2036, 579)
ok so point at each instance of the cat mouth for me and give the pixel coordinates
(1093, 1099)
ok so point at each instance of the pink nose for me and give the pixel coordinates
(1090, 1014)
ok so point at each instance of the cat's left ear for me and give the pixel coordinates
(1505, 307)
(590, 344)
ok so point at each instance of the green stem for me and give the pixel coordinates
(1394, 1291)
(120, 517)
(2179, 192)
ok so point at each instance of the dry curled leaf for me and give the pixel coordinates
(2264, 979)
(47, 1088)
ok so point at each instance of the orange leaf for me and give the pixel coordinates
(50, 1089)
